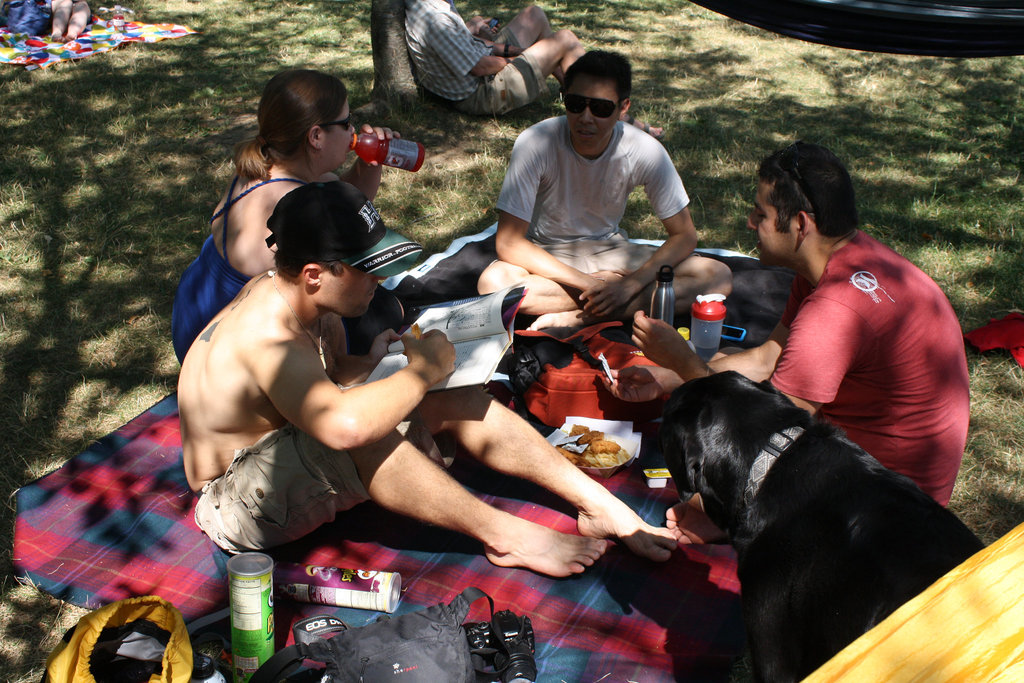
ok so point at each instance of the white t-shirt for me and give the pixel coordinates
(567, 197)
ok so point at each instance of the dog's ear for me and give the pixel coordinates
(694, 465)
(700, 453)
(695, 470)
(680, 451)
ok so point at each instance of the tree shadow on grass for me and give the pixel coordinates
(114, 164)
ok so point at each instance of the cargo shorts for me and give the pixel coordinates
(517, 85)
(591, 256)
(288, 484)
(277, 490)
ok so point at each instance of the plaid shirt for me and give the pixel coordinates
(442, 48)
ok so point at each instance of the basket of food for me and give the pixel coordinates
(598, 447)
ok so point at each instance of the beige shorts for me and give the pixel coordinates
(277, 490)
(590, 256)
(288, 484)
(518, 84)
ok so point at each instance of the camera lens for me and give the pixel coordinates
(521, 669)
(517, 638)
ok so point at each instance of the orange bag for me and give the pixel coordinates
(556, 377)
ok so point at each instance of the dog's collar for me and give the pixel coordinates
(778, 443)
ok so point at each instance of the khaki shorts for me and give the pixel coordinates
(278, 490)
(518, 84)
(590, 256)
(288, 484)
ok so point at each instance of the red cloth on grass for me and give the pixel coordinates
(1007, 333)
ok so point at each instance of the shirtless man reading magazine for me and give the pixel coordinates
(279, 434)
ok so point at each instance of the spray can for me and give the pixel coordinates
(706, 317)
(396, 152)
(358, 588)
(250, 588)
(663, 299)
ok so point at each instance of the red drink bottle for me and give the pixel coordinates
(395, 152)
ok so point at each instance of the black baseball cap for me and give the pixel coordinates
(324, 222)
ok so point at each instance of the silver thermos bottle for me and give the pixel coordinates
(663, 300)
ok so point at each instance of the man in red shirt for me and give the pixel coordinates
(867, 340)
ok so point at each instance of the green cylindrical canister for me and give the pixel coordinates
(250, 585)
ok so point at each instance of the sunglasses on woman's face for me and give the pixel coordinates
(344, 123)
(602, 109)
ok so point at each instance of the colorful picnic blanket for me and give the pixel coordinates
(39, 52)
(116, 521)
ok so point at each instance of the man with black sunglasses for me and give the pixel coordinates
(563, 198)
(480, 68)
(867, 341)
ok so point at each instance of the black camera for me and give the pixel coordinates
(506, 644)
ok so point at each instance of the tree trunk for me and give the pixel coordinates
(393, 84)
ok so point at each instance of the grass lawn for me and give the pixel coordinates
(109, 169)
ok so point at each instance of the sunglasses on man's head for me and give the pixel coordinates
(789, 161)
(602, 109)
(344, 123)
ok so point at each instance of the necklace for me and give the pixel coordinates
(319, 344)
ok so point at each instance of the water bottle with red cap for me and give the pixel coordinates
(707, 314)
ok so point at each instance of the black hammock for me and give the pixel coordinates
(978, 28)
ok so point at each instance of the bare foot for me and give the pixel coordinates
(619, 521)
(561, 319)
(689, 524)
(545, 550)
(655, 132)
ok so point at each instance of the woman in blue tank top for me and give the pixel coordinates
(304, 136)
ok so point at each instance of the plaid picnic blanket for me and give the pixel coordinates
(116, 521)
(39, 52)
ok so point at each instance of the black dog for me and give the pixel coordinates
(829, 542)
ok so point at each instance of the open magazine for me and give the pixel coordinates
(480, 329)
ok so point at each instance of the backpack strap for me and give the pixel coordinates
(578, 341)
(281, 663)
(461, 602)
(581, 340)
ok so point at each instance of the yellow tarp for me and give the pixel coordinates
(967, 626)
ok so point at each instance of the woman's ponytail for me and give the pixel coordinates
(252, 159)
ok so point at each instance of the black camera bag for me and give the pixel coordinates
(420, 647)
